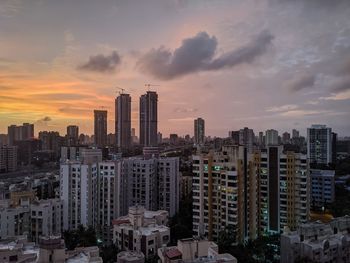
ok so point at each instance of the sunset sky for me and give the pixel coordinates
(264, 64)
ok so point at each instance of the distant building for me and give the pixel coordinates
(123, 121)
(27, 149)
(319, 144)
(51, 141)
(247, 138)
(295, 133)
(100, 128)
(286, 137)
(271, 137)
(149, 119)
(72, 135)
(322, 187)
(199, 131)
(8, 158)
(20, 133)
(317, 242)
(194, 251)
(174, 139)
(3, 139)
(141, 230)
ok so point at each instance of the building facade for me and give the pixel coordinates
(123, 121)
(322, 187)
(100, 128)
(317, 242)
(149, 119)
(8, 158)
(142, 231)
(319, 144)
(199, 131)
(20, 133)
(72, 135)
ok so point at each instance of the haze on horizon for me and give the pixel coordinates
(264, 64)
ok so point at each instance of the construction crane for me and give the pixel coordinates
(150, 85)
(122, 90)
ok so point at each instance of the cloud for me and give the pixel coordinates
(287, 107)
(198, 54)
(185, 110)
(101, 63)
(303, 81)
(46, 119)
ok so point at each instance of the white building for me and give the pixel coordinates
(142, 231)
(46, 218)
(271, 137)
(319, 144)
(193, 250)
(14, 221)
(318, 242)
(78, 191)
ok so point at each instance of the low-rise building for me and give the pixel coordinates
(141, 230)
(130, 257)
(194, 250)
(317, 242)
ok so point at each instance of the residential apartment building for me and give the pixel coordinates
(20, 133)
(322, 187)
(319, 144)
(149, 119)
(123, 121)
(142, 231)
(252, 194)
(284, 189)
(224, 189)
(199, 131)
(100, 128)
(271, 137)
(8, 158)
(46, 218)
(194, 250)
(317, 242)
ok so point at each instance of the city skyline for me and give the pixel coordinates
(273, 64)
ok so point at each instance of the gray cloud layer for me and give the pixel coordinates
(101, 63)
(197, 54)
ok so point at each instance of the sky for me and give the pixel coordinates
(282, 64)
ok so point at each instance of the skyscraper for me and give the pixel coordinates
(100, 127)
(319, 144)
(199, 131)
(123, 121)
(72, 135)
(149, 118)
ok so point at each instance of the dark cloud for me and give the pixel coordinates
(301, 82)
(197, 54)
(101, 63)
(341, 85)
(46, 119)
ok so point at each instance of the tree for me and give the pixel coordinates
(109, 253)
(226, 238)
(80, 237)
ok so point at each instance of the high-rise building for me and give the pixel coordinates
(319, 144)
(271, 137)
(149, 119)
(224, 189)
(261, 140)
(123, 121)
(284, 189)
(254, 194)
(234, 135)
(19, 133)
(8, 158)
(100, 128)
(247, 138)
(72, 135)
(199, 131)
